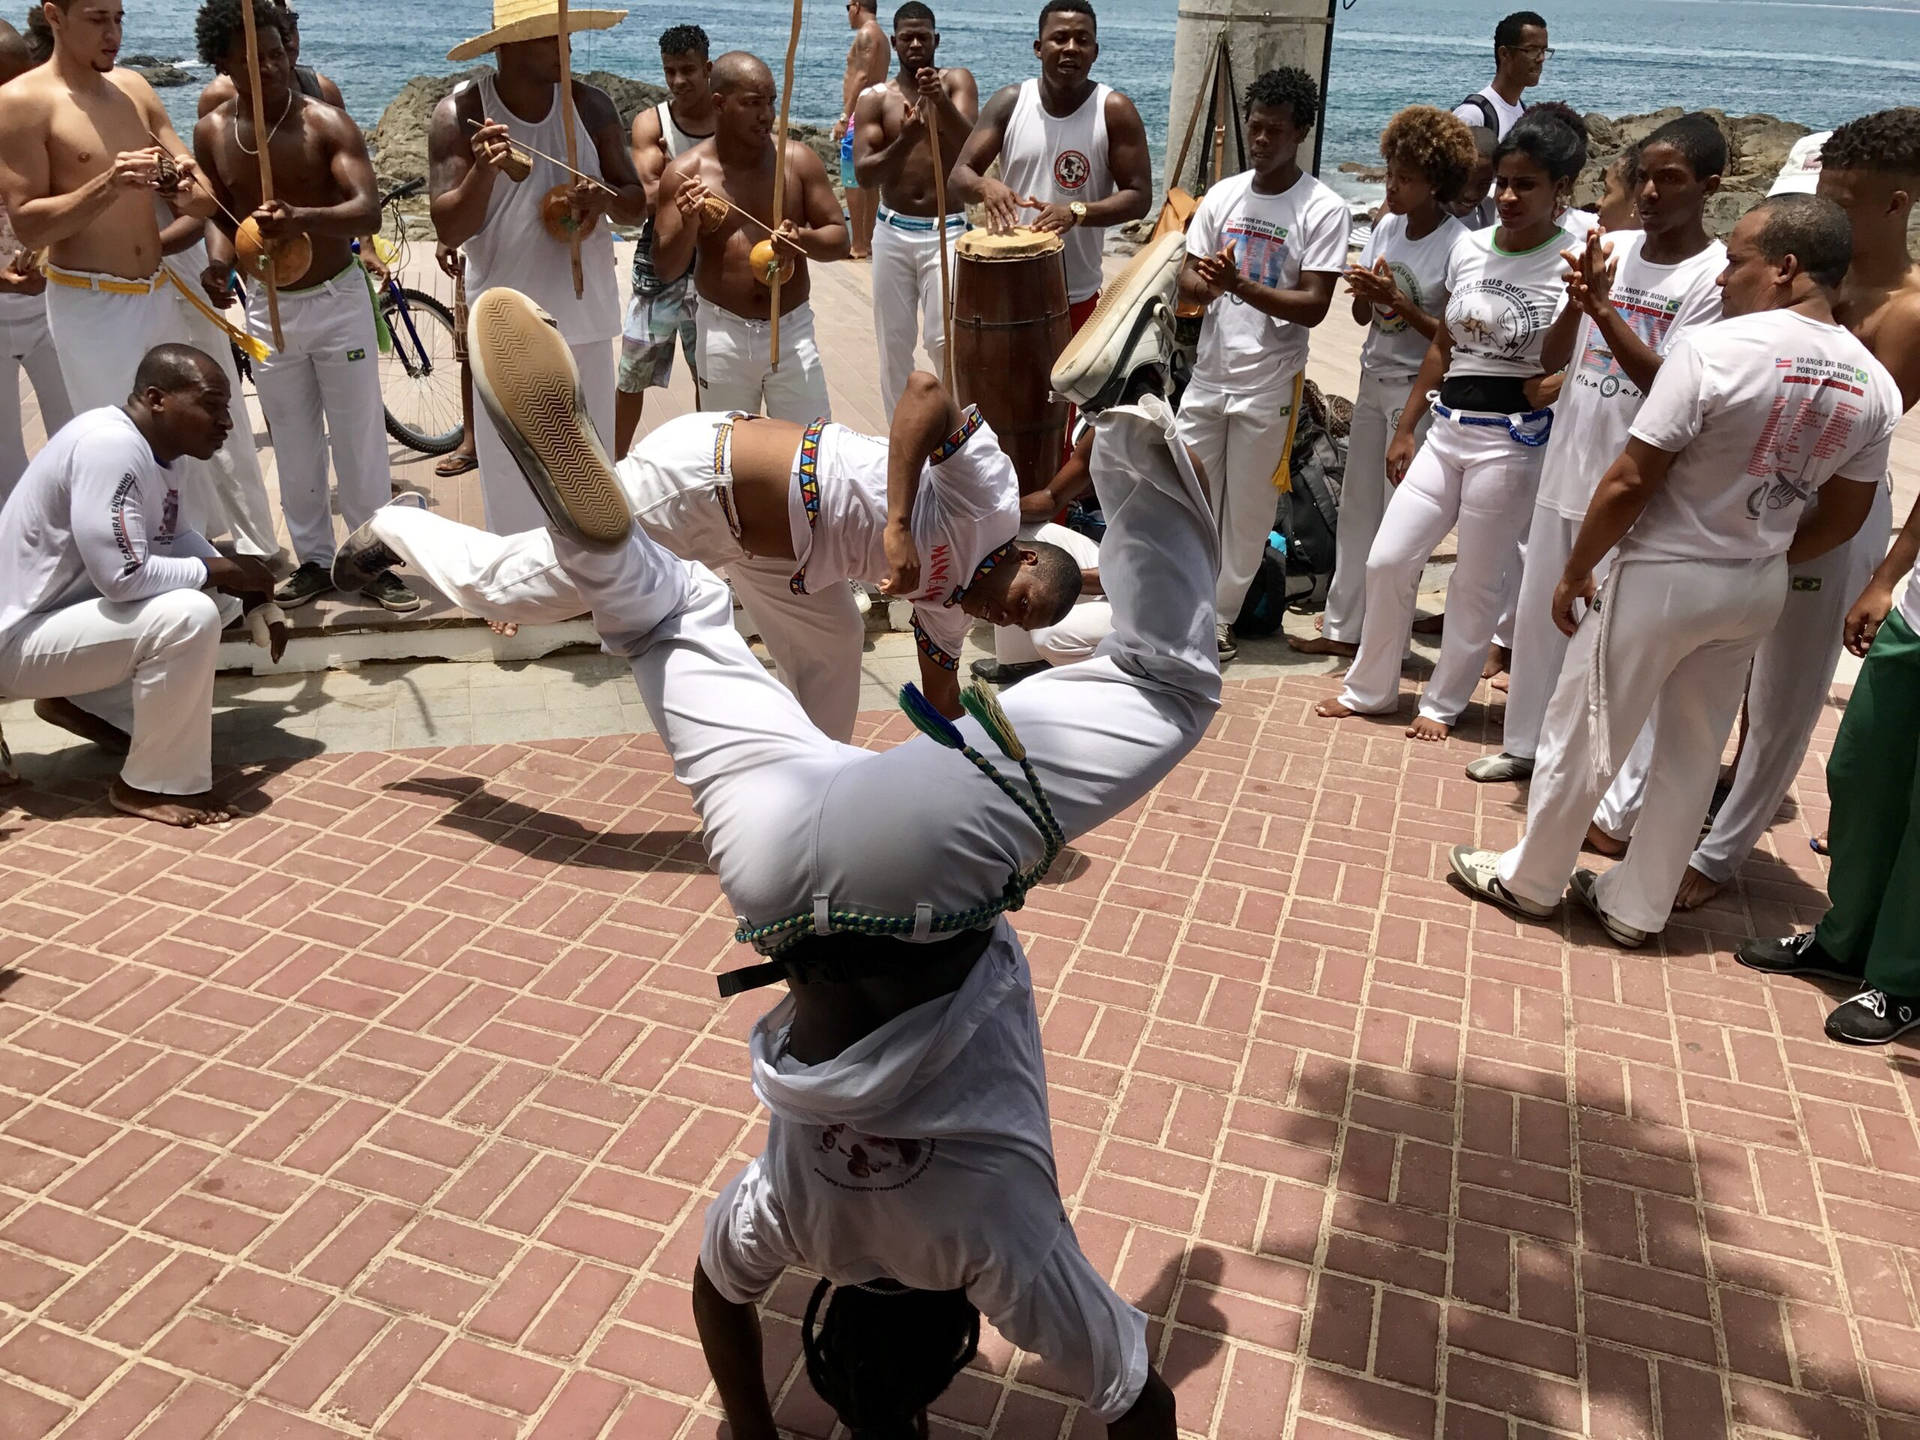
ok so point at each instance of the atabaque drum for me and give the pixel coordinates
(1010, 321)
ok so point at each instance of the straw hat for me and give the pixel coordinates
(516, 20)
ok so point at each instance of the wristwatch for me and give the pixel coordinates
(1078, 209)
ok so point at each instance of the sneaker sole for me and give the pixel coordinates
(1864, 1042)
(1108, 335)
(1491, 775)
(525, 377)
(1819, 972)
(1616, 932)
(295, 603)
(1505, 901)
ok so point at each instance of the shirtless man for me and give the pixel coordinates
(309, 81)
(322, 388)
(662, 305)
(733, 364)
(498, 225)
(890, 151)
(866, 66)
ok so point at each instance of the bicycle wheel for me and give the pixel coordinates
(420, 376)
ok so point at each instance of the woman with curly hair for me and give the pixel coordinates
(1480, 463)
(1399, 287)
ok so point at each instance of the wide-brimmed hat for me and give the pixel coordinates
(516, 20)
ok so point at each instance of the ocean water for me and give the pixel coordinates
(1807, 60)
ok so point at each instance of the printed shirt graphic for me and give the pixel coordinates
(1759, 413)
(1598, 403)
(1393, 347)
(1500, 305)
(1275, 239)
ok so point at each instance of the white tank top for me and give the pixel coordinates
(514, 249)
(677, 140)
(1062, 158)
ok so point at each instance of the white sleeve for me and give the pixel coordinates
(1873, 461)
(939, 631)
(746, 1246)
(1203, 230)
(1070, 1317)
(1473, 115)
(1700, 306)
(193, 544)
(113, 527)
(1674, 410)
(1324, 247)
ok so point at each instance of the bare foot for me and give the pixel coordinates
(1498, 658)
(1818, 844)
(458, 463)
(1431, 731)
(1430, 624)
(185, 811)
(1695, 890)
(508, 628)
(1331, 709)
(1499, 682)
(1320, 645)
(859, 254)
(1602, 843)
(69, 716)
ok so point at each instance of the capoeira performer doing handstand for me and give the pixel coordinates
(792, 512)
(103, 594)
(916, 1020)
(1708, 506)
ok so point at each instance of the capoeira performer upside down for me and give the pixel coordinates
(1704, 540)
(909, 1158)
(792, 512)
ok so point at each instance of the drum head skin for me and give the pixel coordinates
(1017, 244)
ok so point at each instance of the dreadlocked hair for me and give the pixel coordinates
(882, 1355)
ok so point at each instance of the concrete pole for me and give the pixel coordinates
(1260, 34)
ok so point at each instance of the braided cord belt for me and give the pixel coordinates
(982, 704)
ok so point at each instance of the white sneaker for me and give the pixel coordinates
(1479, 871)
(1131, 327)
(1490, 768)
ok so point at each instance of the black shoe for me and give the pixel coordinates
(1873, 1017)
(308, 583)
(386, 591)
(995, 672)
(1224, 641)
(363, 555)
(1796, 955)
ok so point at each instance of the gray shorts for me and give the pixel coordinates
(646, 343)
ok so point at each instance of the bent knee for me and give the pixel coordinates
(186, 615)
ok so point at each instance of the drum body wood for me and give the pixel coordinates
(1011, 320)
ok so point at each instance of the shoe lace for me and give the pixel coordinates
(1872, 1000)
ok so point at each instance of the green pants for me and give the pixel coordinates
(1873, 838)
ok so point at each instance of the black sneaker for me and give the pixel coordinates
(308, 583)
(1796, 955)
(1223, 638)
(363, 555)
(1873, 1017)
(386, 591)
(1002, 674)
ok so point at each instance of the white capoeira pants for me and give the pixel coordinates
(735, 365)
(26, 344)
(321, 393)
(1239, 439)
(1077, 636)
(906, 295)
(1670, 641)
(815, 639)
(102, 339)
(1792, 673)
(146, 667)
(795, 820)
(1363, 497)
(511, 507)
(1480, 480)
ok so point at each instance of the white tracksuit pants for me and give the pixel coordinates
(511, 507)
(1239, 439)
(323, 392)
(1670, 641)
(26, 344)
(1481, 480)
(796, 822)
(146, 667)
(1363, 497)
(906, 296)
(1077, 636)
(815, 639)
(736, 371)
(103, 337)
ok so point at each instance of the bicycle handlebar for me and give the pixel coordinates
(402, 192)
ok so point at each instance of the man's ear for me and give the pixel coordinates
(1029, 557)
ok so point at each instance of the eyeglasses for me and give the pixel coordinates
(1535, 52)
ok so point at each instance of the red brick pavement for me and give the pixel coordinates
(392, 1110)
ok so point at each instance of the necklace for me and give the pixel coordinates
(256, 125)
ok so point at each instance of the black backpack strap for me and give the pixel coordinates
(1488, 119)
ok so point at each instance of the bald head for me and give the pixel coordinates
(171, 369)
(15, 59)
(738, 68)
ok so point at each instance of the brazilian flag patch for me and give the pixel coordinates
(356, 354)
(1806, 583)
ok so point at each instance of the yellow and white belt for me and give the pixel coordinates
(165, 275)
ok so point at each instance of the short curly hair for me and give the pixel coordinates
(1288, 87)
(1887, 141)
(219, 22)
(1435, 142)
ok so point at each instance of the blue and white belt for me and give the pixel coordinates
(1530, 429)
(919, 224)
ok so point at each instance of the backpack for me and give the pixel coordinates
(1297, 565)
(1488, 119)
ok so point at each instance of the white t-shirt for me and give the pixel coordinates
(1910, 600)
(922, 1154)
(1499, 306)
(95, 516)
(1505, 111)
(965, 516)
(1759, 412)
(1393, 347)
(1275, 239)
(1598, 402)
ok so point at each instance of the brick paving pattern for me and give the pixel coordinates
(393, 1109)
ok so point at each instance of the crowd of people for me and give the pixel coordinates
(1665, 459)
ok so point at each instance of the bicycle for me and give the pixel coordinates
(420, 373)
